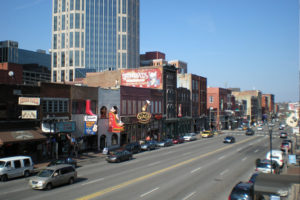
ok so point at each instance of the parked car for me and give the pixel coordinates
(53, 176)
(281, 128)
(133, 147)
(259, 128)
(283, 135)
(148, 145)
(178, 140)
(266, 167)
(165, 143)
(242, 191)
(249, 131)
(118, 156)
(16, 166)
(277, 155)
(190, 137)
(253, 177)
(207, 134)
(60, 161)
(229, 139)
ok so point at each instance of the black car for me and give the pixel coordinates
(133, 147)
(249, 131)
(229, 139)
(119, 156)
(60, 161)
(242, 191)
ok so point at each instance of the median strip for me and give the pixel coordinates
(141, 178)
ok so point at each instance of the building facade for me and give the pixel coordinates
(93, 36)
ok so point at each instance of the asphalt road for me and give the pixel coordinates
(202, 169)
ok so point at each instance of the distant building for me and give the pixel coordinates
(180, 65)
(94, 36)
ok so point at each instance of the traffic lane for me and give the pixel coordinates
(182, 182)
(151, 175)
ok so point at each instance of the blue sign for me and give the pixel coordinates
(292, 159)
(65, 127)
(90, 128)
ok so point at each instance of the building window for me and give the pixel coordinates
(63, 6)
(77, 4)
(71, 4)
(211, 99)
(54, 59)
(103, 112)
(71, 74)
(114, 139)
(62, 75)
(55, 23)
(123, 24)
(77, 20)
(62, 58)
(124, 6)
(71, 40)
(55, 6)
(134, 107)
(123, 60)
(124, 107)
(70, 58)
(129, 107)
(63, 21)
(54, 76)
(63, 40)
(71, 20)
(76, 58)
(124, 42)
(77, 39)
(54, 41)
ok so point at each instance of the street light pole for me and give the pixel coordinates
(270, 132)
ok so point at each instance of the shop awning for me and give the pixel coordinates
(16, 136)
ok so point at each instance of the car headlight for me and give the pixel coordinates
(113, 158)
(40, 183)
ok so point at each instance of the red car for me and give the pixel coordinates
(285, 145)
(178, 140)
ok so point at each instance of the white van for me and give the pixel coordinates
(15, 166)
(277, 155)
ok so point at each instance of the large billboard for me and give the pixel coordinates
(142, 78)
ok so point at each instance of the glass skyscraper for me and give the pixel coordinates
(93, 36)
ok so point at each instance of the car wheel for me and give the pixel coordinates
(49, 186)
(4, 178)
(71, 181)
(26, 173)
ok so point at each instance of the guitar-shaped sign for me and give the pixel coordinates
(292, 120)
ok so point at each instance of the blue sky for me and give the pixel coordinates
(250, 44)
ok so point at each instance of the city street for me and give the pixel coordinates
(205, 169)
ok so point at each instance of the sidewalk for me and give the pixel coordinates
(83, 158)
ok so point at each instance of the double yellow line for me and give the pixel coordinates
(141, 178)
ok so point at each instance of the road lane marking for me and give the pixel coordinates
(239, 149)
(256, 151)
(188, 196)
(94, 181)
(185, 154)
(196, 169)
(152, 164)
(222, 157)
(155, 173)
(149, 192)
(224, 172)
(244, 159)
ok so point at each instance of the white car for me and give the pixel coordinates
(259, 128)
(190, 137)
(277, 155)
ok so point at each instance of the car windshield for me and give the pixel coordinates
(45, 173)
(264, 165)
(2, 163)
(239, 193)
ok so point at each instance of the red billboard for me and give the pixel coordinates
(142, 78)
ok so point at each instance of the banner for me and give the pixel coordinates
(29, 101)
(142, 78)
(114, 127)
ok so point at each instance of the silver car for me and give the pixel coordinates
(53, 176)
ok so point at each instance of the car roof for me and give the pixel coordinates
(55, 167)
(14, 158)
(243, 185)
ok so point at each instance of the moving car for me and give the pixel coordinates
(165, 143)
(119, 156)
(16, 166)
(249, 132)
(53, 176)
(133, 147)
(148, 145)
(229, 139)
(259, 128)
(207, 134)
(242, 191)
(253, 177)
(60, 161)
(190, 137)
(283, 135)
(178, 140)
(285, 146)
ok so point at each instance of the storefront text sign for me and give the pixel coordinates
(29, 101)
(65, 127)
(144, 117)
(90, 118)
(90, 125)
(29, 114)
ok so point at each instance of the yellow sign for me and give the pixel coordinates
(29, 114)
(144, 117)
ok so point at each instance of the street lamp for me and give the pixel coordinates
(270, 127)
(210, 109)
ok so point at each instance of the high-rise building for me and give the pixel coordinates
(93, 36)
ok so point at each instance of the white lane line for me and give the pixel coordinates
(256, 151)
(168, 153)
(239, 149)
(224, 172)
(94, 181)
(152, 164)
(149, 192)
(188, 196)
(221, 157)
(186, 153)
(193, 171)
(244, 159)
